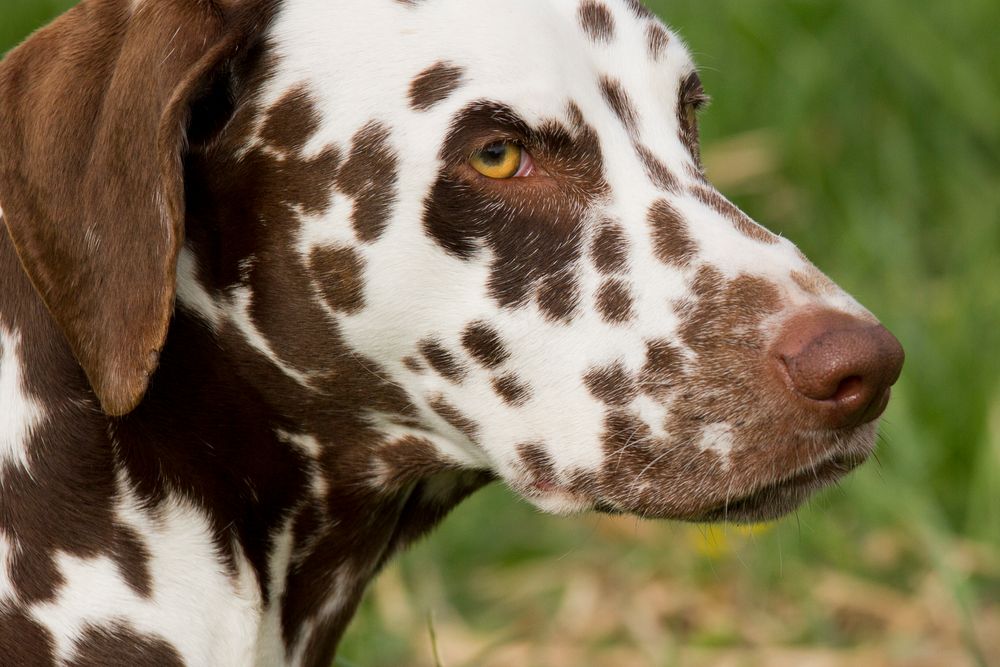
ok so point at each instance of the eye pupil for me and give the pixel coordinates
(496, 154)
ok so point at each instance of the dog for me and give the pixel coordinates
(283, 281)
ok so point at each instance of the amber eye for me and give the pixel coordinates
(500, 160)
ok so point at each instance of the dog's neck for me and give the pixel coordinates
(285, 484)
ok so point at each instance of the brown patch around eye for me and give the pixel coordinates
(483, 343)
(619, 101)
(671, 241)
(612, 384)
(442, 361)
(369, 177)
(291, 122)
(658, 172)
(597, 21)
(609, 250)
(434, 85)
(714, 200)
(455, 418)
(340, 274)
(615, 301)
(657, 40)
(512, 390)
(559, 296)
(534, 228)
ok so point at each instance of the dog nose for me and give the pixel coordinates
(840, 367)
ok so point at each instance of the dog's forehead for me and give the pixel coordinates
(360, 57)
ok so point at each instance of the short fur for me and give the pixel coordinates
(262, 324)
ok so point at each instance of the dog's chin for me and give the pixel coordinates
(777, 499)
(768, 500)
(558, 501)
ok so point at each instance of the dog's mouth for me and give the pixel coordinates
(778, 498)
(765, 503)
(736, 495)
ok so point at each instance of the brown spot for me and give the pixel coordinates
(455, 418)
(609, 249)
(559, 296)
(512, 390)
(291, 121)
(611, 384)
(410, 459)
(533, 232)
(663, 369)
(576, 117)
(443, 361)
(340, 274)
(117, 644)
(23, 641)
(483, 343)
(597, 21)
(369, 177)
(727, 313)
(640, 10)
(657, 172)
(671, 241)
(812, 282)
(537, 462)
(622, 431)
(619, 101)
(615, 301)
(657, 40)
(414, 364)
(696, 173)
(434, 85)
(711, 198)
(132, 556)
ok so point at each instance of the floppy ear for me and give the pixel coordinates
(93, 118)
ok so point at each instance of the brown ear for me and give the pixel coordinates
(93, 117)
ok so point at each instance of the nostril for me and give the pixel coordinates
(849, 388)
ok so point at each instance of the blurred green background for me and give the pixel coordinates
(868, 131)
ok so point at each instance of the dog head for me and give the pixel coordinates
(482, 227)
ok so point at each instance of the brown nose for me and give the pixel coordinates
(840, 365)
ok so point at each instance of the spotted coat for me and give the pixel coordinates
(262, 324)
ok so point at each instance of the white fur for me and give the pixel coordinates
(209, 617)
(20, 412)
(7, 546)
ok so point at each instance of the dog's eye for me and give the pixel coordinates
(693, 98)
(690, 117)
(501, 160)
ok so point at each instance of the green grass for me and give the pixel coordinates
(876, 127)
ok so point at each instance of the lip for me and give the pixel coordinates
(778, 498)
